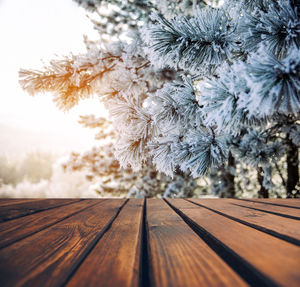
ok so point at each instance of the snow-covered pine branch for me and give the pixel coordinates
(220, 96)
(70, 79)
(195, 44)
(277, 26)
(100, 165)
(274, 84)
(183, 140)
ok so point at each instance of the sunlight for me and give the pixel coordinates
(33, 30)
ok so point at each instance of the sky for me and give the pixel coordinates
(31, 31)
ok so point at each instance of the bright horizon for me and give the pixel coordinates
(32, 31)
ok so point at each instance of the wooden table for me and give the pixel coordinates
(176, 242)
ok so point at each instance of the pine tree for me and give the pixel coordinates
(199, 86)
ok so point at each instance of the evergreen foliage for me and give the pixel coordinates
(100, 165)
(198, 87)
(197, 44)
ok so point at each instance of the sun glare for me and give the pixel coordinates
(30, 31)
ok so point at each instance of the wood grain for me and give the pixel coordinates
(115, 259)
(16, 210)
(275, 209)
(274, 258)
(16, 229)
(10, 201)
(48, 258)
(282, 227)
(287, 202)
(113, 242)
(178, 257)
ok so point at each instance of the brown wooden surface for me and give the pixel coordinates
(281, 227)
(293, 213)
(288, 203)
(14, 230)
(19, 209)
(116, 258)
(12, 201)
(276, 260)
(48, 257)
(179, 256)
(175, 242)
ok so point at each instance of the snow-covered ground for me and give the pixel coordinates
(60, 185)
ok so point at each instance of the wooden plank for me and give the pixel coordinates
(278, 261)
(178, 256)
(275, 209)
(47, 258)
(286, 202)
(115, 260)
(284, 228)
(9, 212)
(10, 201)
(16, 229)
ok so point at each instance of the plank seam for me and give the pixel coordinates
(39, 210)
(144, 269)
(91, 246)
(270, 203)
(271, 212)
(47, 226)
(239, 265)
(273, 233)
